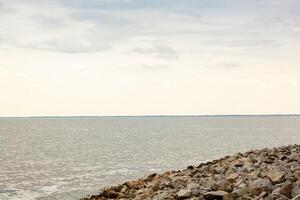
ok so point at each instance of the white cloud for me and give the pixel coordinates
(160, 51)
(51, 28)
(149, 57)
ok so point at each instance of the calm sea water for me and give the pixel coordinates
(67, 158)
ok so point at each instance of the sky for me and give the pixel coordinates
(149, 57)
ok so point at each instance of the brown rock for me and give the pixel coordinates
(225, 185)
(276, 176)
(217, 195)
(286, 189)
(232, 176)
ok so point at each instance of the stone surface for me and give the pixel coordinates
(217, 195)
(296, 189)
(276, 176)
(286, 189)
(266, 174)
(296, 197)
(184, 193)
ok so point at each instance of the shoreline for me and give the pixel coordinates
(264, 174)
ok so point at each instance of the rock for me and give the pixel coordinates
(162, 196)
(184, 193)
(241, 191)
(260, 183)
(195, 188)
(276, 176)
(238, 164)
(225, 185)
(244, 198)
(279, 197)
(295, 168)
(124, 189)
(190, 167)
(296, 189)
(267, 174)
(294, 156)
(210, 183)
(217, 195)
(110, 194)
(296, 197)
(138, 184)
(239, 183)
(177, 182)
(290, 177)
(150, 177)
(296, 174)
(276, 191)
(214, 187)
(286, 189)
(262, 195)
(232, 176)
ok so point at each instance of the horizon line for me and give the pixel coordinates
(106, 116)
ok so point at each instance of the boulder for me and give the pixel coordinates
(217, 195)
(240, 192)
(162, 196)
(276, 176)
(296, 189)
(232, 176)
(184, 193)
(296, 197)
(286, 189)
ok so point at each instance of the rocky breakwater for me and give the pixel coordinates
(254, 175)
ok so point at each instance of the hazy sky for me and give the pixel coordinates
(143, 57)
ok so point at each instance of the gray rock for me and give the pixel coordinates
(225, 185)
(184, 193)
(260, 183)
(177, 182)
(239, 192)
(217, 195)
(295, 168)
(161, 196)
(296, 189)
(195, 188)
(296, 197)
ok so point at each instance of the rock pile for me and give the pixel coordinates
(255, 175)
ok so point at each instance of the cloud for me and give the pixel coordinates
(225, 65)
(160, 51)
(51, 28)
(130, 44)
(253, 42)
(71, 46)
(119, 4)
(83, 26)
(153, 68)
(101, 17)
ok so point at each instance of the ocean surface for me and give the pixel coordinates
(68, 158)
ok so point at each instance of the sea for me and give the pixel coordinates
(72, 157)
